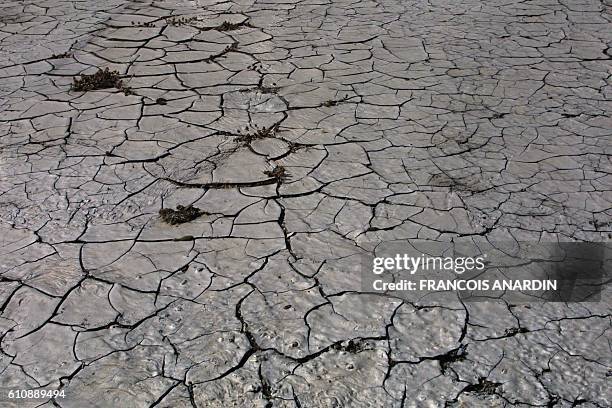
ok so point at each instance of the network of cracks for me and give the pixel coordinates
(188, 188)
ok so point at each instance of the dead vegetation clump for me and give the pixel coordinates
(515, 330)
(263, 131)
(279, 173)
(179, 21)
(268, 89)
(224, 26)
(230, 48)
(181, 215)
(256, 132)
(351, 346)
(484, 387)
(458, 354)
(294, 147)
(143, 24)
(256, 66)
(60, 56)
(333, 102)
(263, 89)
(228, 26)
(103, 79)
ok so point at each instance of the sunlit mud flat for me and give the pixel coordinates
(186, 228)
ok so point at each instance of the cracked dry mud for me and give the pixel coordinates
(306, 132)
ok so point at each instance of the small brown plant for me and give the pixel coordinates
(60, 56)
(180, 215)
(352, 346)
(279, 173)
(268, 89)
(143, 24)
(103, 79)
(228, 26)
(256, 132)
(179, 21)
(230, 48)
(484, 387)
(294, 147)
(334, 102)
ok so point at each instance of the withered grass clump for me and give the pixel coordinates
(103, 79)
(61, 56)
(224, 26)
(256, 132)
(294, 147)
(230, 48)
(484, 386)
(179, 21)
(228, 26)
(263, 131)
(352, 346)
(458, 354)
(144, 24)
(279, 173)
(180, 215)
(268, 89)
(333, 102)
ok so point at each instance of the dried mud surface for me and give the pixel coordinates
(303, 133)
